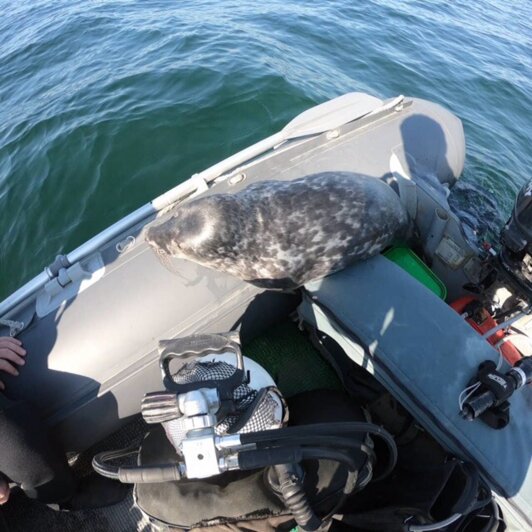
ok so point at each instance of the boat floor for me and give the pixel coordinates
(284, 351)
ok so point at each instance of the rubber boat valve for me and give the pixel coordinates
(490, 401)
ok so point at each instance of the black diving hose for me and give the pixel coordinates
(278, 446)
(133, 474)
(292, 443)
(293, 493)
(295, 499)
(312, 434)
(339, 443)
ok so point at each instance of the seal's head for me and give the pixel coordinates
(197, 230)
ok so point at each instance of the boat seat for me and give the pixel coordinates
(424, 353)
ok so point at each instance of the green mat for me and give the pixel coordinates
(289, 357)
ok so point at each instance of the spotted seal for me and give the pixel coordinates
(282, 234)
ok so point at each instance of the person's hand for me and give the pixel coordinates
(4, 490)
(11, 355)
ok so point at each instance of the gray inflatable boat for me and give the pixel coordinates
(94, 318)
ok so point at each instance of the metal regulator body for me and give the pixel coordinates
(209, 400)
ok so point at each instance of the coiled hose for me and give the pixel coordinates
(281, 449)
(295, 498)
(329, 434)
(290, 486)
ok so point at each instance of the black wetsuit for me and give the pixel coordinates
(28, 455)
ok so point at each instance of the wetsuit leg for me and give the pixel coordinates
(28, 457)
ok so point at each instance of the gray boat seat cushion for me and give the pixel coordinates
(425, 354)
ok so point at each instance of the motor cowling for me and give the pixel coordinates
(516, 236)
(516, 240)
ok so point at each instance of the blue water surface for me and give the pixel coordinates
(107, 104)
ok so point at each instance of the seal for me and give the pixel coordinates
(283, 234)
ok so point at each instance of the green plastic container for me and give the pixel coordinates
(410, 262)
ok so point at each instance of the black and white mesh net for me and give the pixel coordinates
(256, 410)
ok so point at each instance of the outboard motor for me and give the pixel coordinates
(220, 450)
(501, 310)
(516, 239)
